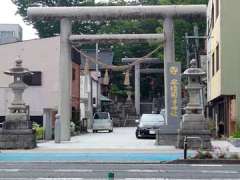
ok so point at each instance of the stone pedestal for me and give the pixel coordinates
(166, 137)
(17, 135)
(195, 128)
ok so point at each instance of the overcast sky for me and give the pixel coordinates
(8, 16)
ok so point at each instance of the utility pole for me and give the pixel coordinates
(98, 101)
(197, 57)
(187, 49)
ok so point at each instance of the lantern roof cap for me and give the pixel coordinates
(18, 69)
(194, 70)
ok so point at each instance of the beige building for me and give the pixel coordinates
(224, 63)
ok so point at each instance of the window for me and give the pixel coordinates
(34, 79)
(213, 64)
(217, 58)
(6, 34)
(94, 100)
(73, 74)
(217, 8)
(212, 16)
(209, 70)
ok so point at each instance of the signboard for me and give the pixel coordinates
(174, 95)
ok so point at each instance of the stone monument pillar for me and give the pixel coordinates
(17, 132)
(194, 125)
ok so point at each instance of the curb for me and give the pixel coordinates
(205, 161)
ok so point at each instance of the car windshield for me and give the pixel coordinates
(101, 115)
(151, 118)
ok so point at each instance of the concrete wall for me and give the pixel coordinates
(37, 55)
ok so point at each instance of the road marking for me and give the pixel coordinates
(143, 170)
(9, 170)
(59, 179)
(207, 165)
(219, 172)
(48, 179)
(73, 170)
(177, 179)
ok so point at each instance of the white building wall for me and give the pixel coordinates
(37, 55)
(84, 90)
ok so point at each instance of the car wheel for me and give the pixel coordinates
(94, 131)
(110, 131)
(137, 136)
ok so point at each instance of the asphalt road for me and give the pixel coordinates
(75, 171)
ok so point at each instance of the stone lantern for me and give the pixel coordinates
(17, 132)
(194, 125)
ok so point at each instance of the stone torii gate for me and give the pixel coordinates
(137, 73)
(67, 14)
(114, 38)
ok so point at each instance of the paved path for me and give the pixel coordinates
(78, 171)
(122, 139)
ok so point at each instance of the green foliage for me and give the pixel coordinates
(236, 134)
(116, 91)
(203, 155)
(75, 121)
(39, 131)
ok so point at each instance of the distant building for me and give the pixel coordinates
(224, 63)
(105, 56)
(10, 33)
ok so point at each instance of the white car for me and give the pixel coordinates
(102, 121)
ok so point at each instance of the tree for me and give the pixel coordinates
(51, 28)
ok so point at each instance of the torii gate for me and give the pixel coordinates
(114, 38)
(137, 72)
(66, 14)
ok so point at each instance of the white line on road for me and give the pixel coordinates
(219, 172)
(73, 170)
(143, 170)
(207, 165)
(9, 170)
(45, 179)
(59, 179)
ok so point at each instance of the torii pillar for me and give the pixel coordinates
(169, 57)
(65, 78)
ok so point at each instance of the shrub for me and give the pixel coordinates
(72, 128)
(39, 131)
(236, 134)
(203, 155)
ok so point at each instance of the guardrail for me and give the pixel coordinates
(185, 143)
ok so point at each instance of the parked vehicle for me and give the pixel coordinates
(102, 121)
(162, 112)
(148, 125)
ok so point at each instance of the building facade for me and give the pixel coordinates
(223, 27)
(42, 57)
(10, 33)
